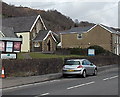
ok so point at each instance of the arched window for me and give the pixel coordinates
(49, 45)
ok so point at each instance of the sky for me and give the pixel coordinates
(95, 11)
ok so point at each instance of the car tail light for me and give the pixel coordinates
(80, 66)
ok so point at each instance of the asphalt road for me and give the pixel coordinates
(105, 83)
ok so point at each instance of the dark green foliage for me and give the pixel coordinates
(98, 49)
(53, 19)
(78, 51)
(30, 67)
(73, 51)
(84, 51)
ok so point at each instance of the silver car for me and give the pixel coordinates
(79, 67)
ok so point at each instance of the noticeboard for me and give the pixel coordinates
(2, 46)
(91, 52)
(17, 46)
(8, 56)
(10, 46)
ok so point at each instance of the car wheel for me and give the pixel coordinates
(84, 74)
(95, 72)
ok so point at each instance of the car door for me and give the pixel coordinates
(90, 67)
(86, 66)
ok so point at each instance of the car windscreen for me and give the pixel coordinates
(72, 63)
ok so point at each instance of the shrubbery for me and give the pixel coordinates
(78, 51)
(98, 49)
(84, 51)
(30, 67)
(33, 67)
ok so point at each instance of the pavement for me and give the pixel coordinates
(18, 81)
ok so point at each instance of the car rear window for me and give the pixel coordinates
(72, 63)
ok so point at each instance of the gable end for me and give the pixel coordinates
(36, 22)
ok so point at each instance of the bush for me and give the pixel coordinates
(73, 51)
(78, 51)
(30, 67)
(98, 49)
(83, 51)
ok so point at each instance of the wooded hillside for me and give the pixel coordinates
(53, 19)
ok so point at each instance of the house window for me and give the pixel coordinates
(33, 35)
(38, 26)
(36, 44)
(79, 36)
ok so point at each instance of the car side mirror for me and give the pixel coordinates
(91, 64)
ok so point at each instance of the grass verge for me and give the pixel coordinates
(35, 55)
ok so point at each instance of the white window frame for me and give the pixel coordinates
(79, 35)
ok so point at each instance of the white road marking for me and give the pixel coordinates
(17, 87)
(24, 85)
(45, 94)
(46, 82)
(110, 78)
(55, 80)
(9, 88)
(81, 85)
(42, 95)
(41, 83)
(105, 79)
(113, 77)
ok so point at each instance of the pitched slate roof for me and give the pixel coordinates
(110, 29)
(81, 29)
(78, 29)
(56, 37)
(43, 33)
(19, 24)
(87, 28)
(8, 32)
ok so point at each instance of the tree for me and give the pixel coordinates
(76, 23)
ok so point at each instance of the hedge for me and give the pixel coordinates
(30, 67)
